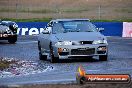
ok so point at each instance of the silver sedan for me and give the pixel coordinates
(66, 38)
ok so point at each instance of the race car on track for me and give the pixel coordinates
(8, 31)
(66, 38)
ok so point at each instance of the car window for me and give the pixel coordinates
(58, 28)
(3, 24)
(50, 24)
(73, 26)
(79, 26)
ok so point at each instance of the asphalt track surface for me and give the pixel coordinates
(119, 62)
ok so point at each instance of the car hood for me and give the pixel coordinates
(79, 36)
(3, 28)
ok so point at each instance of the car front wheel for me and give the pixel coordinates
(53, 58)
(42, 57)
(12, 39)
(103, 57)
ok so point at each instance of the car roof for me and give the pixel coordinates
(7, 22)
(57, 20)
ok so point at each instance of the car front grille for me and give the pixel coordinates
(86, 42)
(82, 52)
(81, 42)
(63, 53)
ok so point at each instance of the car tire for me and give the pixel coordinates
(12, 39)
(53, 58)
(90, 57)
(39, 47)
(81, 80)
(42, 57)
(103, 57)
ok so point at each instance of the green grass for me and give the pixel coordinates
(5, 63)
(48, 19)
(28, 20)
(118, 20)
(28, 10)
(125, 10)
(78, 10)
(7, 10)
(38, 11)
(75, 10)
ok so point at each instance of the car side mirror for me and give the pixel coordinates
(45, 32)
(100, 29)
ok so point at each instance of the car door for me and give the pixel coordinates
(45, 40)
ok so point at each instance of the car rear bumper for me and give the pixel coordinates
(80, 50)
(6, 36)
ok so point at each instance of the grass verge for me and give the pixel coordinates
(5, 63)
(48, 19)
(28, 20)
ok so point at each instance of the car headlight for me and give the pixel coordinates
(100, 42)
(15, 26)
(8, 30)
(61, 43)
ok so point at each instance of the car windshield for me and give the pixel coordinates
(73, 26)
(3, 24)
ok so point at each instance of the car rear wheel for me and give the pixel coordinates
(12, 39)
(103, 57)
(53, 58)
(81, 80)
(42, 57)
